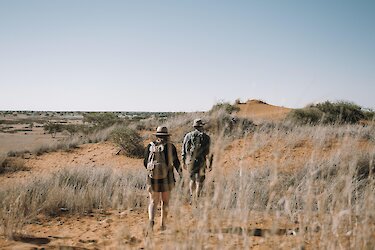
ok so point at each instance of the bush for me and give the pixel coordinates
(129, 141)
(369, 115)
(309, 115)
(328, 113)
(101, 120)
(11, 165)
(340, 112)
(53, 128)
(77, 128)
(226, 106)
(226, 125)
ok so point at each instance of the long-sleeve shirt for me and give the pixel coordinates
(195, 153)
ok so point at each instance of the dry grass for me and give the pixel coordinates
(11, 165)
(72, 190)
(327, 201)
(67, 144)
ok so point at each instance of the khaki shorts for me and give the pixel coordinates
(198, 175)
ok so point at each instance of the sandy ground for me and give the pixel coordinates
(118, 229)
(25, 141)
(127, 230)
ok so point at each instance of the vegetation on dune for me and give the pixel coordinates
(369, 115)
(226, 106)
(331, 113)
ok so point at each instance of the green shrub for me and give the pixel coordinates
(328, 113)
(101, 120)
(369, 115)
(310, 115)
(225, 106)
(340, 112)
(129, 141)
(53, 128)
(78, 128)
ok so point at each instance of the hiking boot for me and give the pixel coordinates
(149, 229)
(191, 200)
(151, 224)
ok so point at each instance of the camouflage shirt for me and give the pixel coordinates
(195, 148)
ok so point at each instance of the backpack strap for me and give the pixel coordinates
(152, 147)
(152, 150)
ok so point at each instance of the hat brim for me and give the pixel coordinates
(199, 125)
(161, 134)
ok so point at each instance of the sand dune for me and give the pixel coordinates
(259, 110)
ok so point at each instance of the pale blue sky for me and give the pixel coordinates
(184, 55)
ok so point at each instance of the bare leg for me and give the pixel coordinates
(154, 201)
(192, 187)
(165, 196)
(199, 188)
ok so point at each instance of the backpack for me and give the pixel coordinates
(157, 166)
(195, 144)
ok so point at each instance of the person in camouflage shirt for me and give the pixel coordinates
(195, 149)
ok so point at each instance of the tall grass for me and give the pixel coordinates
(328, 201)
(75, 190)
(325, 201)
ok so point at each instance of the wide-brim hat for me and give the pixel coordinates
(198, 123)
(161, 131)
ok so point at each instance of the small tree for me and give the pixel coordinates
(101, 120)
(129, 141)
(53, 128)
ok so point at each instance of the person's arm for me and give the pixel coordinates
(146, 154)
(176, 161)
(210, 156)
(183, 151)
(210, 160)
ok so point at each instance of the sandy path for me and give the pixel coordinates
(126, 230)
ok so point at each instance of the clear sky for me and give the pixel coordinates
(184, 55)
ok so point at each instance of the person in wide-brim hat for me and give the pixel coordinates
(161, 131)
(159, 189)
